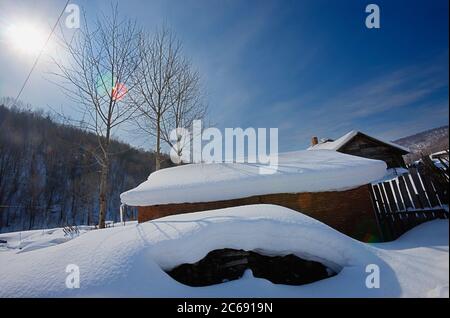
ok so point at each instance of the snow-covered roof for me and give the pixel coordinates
(340, 142)
(299, 171)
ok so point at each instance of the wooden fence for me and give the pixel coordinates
(407, 200)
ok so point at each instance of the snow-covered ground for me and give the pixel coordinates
(129, 260)
(26, 241)
(297, 171)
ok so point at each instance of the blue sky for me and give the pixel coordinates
(305, 67)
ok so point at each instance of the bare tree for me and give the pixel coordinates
(102, 62)
(186, 107)
(168, 91)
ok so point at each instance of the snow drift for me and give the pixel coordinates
(130, 260)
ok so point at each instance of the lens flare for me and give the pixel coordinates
(119, 91)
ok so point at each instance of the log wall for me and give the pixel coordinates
(363, 146)
(349, 212)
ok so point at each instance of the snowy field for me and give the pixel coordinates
(130, 260)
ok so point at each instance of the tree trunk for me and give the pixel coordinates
(7, 217)
(1, 216)
(103, 195)
(158, 144)
(89, 217)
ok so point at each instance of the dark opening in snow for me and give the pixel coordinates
(229, 264)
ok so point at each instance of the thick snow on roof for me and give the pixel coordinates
(300, 171)
(338, 143)
(129, 261)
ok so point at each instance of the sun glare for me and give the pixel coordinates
(26, 38)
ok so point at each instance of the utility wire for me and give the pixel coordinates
(40, 53)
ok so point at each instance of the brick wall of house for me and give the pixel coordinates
(349, 212)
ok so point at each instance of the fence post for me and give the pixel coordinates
(389, 199)
(122, 207)
(377, 213)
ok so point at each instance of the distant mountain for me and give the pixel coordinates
(425, 142)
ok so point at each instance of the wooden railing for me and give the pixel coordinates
(404, 201)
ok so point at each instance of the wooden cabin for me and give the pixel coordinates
(362, 145)
(329, 186)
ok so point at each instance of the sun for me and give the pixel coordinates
(26, 38)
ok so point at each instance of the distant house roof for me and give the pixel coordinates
(342, 141)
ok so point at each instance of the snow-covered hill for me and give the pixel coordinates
(426, 142)
(130, 260)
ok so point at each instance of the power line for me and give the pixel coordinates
(40, 53)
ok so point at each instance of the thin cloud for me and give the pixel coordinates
(400, 89)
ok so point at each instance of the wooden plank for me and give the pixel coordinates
(379, 200)
(413, 213)
(442, 214)
(445, 164)
(429, 215)
(385, 200)
(385, 223)
(420, 191)
(414, 196)
(406, 200)
(411, 220)
(377, 213)
(389, 217)
(441, 192)
(390, 196)
(399, 224)
(439, 214)
(401, 205)
(431, 193)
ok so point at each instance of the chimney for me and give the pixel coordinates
(314, 141)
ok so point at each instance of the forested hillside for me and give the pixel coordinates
(425, 143)
(48, 176)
